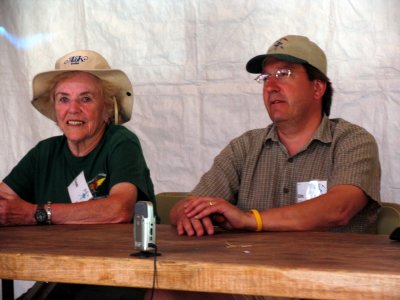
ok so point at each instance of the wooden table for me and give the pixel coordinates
(306, 265)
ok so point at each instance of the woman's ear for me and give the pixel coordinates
(106, 115)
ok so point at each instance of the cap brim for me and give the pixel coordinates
(256, 64)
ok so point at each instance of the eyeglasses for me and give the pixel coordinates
(280, 74)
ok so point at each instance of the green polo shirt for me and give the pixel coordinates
(47, 170)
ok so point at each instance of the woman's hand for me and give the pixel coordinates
(14, 210)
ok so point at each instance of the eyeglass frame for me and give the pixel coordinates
(264, 77)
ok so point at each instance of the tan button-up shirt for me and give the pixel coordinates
(255, 170)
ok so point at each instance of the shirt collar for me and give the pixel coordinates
(323, 132)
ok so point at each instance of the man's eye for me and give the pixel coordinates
(283, 73)
(265, 77)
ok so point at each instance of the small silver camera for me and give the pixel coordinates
(144, 226)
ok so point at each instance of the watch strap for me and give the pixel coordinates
(49, 212)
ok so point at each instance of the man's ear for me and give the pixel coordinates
(319, 88)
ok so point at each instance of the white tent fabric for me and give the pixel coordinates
(187, 59)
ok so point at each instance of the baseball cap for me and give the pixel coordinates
(86, 61)
(292, 48)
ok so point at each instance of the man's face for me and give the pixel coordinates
(292, 98)
(80, 109)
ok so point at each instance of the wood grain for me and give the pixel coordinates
(294, 264)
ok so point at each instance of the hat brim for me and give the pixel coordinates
(41, 84)
(256, 64)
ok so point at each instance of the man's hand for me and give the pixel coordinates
(195, 215)
(222, 212)
(192, 226)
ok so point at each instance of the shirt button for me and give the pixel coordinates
(285, 190)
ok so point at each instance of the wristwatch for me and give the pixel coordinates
(43, 215)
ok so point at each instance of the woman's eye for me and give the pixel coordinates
(63, 99)
(86, 99)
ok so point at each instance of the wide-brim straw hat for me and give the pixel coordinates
(90, 62)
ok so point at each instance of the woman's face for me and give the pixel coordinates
(80, 111)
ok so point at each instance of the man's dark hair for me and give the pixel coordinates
(315, 74)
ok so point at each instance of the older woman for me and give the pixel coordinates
(95, 171)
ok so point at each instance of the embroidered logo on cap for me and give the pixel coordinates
(76, 60)
(280, 42)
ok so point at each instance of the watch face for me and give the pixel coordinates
(41, 216)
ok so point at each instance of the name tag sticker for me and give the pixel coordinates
(311, 189)
(79, 190)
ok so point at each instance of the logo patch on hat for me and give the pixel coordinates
(279, 43)
(76, 60)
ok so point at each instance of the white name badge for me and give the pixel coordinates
(311, 189)
(79, 190)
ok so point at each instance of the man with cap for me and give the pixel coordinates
(95, 171)
(302, 172)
